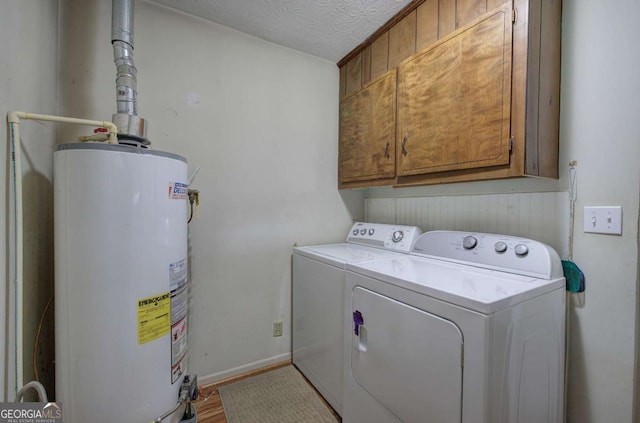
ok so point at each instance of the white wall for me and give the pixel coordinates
(261, 123)
(28, 34)
(600, 128)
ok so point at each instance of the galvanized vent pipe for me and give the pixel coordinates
(131, 127)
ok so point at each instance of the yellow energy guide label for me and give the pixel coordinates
(154, 317)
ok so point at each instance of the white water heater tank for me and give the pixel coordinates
(121, 294)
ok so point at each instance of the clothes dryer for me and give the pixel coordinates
(468, 328)
(318, 298)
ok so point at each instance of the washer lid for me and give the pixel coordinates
(340, 254)
(483, 290)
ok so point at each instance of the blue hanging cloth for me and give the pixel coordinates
(574, 276)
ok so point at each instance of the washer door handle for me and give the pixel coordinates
(362, 339)
(359, 330)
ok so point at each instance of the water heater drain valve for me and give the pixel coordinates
(189, 392)
(189, 388)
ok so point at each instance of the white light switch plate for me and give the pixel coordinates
(603, 220)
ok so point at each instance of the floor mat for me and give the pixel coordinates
(278, 396)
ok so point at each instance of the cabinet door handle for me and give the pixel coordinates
(404, 143)
(386, 151)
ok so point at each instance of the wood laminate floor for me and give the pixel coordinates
(209, 406)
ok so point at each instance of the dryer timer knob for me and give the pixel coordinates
(501, 247)
(521, 250)
(469, 242)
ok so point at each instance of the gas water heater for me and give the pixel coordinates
(121, 292)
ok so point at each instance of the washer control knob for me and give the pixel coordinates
(371, 231)
(363, 231)
(521, 250)
(500, 247)
(355, 232)
(397, 236)
(469, 242)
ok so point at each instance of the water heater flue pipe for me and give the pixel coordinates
(130, 125)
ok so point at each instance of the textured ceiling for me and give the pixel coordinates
(326, 28)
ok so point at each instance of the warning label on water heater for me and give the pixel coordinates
(179, 291)
(178, 191)
(154, 317)
(177, 274)
(178, 348)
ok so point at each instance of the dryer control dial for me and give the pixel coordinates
(521, 250)
(397, 236)
(500, 247)
(469, 242)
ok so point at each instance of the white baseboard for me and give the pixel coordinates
(215, 377)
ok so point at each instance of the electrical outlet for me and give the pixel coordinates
(277, 328)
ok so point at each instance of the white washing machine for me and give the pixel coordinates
(318, 299)
(468, 328)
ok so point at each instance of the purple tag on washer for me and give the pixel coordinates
(357, 320)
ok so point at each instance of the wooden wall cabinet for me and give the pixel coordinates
(477, 91)
(454, 100)
(367, 140)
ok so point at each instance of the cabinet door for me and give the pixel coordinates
(367, 131)
(454, 100)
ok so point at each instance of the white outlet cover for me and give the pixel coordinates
(603, 219)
